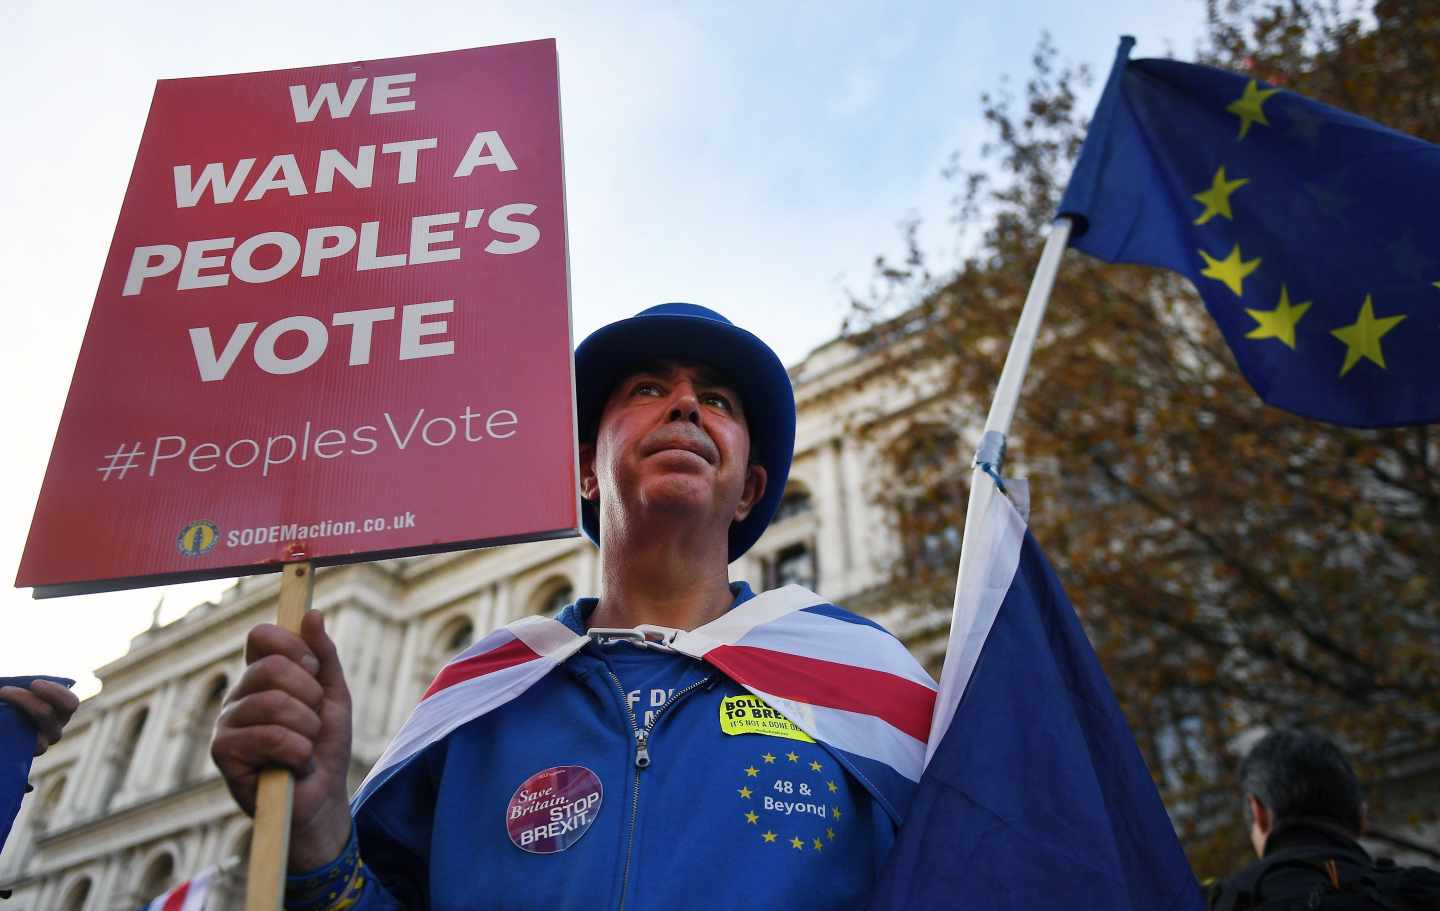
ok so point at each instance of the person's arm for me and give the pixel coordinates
(291, 708)
(48, 706)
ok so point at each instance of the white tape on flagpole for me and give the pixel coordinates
(988, 539)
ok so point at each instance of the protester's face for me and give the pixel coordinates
(672, 441)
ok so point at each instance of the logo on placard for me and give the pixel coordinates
(198, 538)
(553, 809)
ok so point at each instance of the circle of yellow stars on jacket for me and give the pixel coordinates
(1362, 338)
(814, 775)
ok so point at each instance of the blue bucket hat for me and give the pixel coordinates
(687, 332)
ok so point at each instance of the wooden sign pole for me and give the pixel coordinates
(270, 840)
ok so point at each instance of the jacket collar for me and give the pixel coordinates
(576, 615)
(1312, 832)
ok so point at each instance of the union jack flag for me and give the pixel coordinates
(837, 676)
(188, 896)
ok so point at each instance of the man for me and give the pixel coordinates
(675, 742)
(1306, 812)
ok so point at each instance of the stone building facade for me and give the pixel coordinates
(128, 803)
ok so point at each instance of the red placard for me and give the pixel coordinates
(334, 323)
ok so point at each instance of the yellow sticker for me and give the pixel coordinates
(750, 715)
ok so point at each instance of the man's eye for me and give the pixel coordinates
(717, 400)
(649, 389)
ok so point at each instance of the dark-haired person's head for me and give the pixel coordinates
(1293, 776)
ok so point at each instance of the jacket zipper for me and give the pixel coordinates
(642, 761)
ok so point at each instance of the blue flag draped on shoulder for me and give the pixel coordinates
(1308, 231)
(1035, 795)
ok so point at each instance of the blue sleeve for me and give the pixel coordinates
(393, 829)
(388, 851)
(345, 882)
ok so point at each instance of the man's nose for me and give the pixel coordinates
(686, 405)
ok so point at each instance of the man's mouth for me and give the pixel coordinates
(703, 450)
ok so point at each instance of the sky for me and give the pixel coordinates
(751, 157)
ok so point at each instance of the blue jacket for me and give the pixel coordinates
(714, 820)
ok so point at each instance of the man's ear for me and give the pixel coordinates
(589, 484)
(755, 478)
(1262, 822)
(1259, 814)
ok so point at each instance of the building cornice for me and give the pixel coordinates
(334, 585)
(147, 820)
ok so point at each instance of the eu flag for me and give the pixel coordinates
(1036, 795)
(1308, 231)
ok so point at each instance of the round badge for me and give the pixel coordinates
(553, 809)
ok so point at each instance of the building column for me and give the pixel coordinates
(482, 612)
(204, 853)
(153, 739)
(832, 557)
(398, 685)
(82, 796)
(505, 608)
(105, 888)
(180, 734)
(591, 561)
(368, 674)
(863, 523)
(47, 892)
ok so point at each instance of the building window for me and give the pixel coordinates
(197, 752)
(552, 597)
(796, 502)
(157, 878)
(795, 565)
(239, 849)
(457, 637)
(454, 637)
(77, 896)
(49, 803)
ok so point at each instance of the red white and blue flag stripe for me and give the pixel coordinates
(188, 896)
(840, 678)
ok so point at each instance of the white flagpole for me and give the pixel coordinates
(959, 661)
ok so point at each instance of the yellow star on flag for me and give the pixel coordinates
(745, 793)
(1217, 198)
(768, 836)
(1280, 322)
(835, 811)
(831, 785)
(817, 844)
(829, 833)
(1362, 337)
(797, 844)
(1231, 270)
(752, 817)
(1248, 107)
(792, 756)
(752, 771)
(768, 757)
(814, 766)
